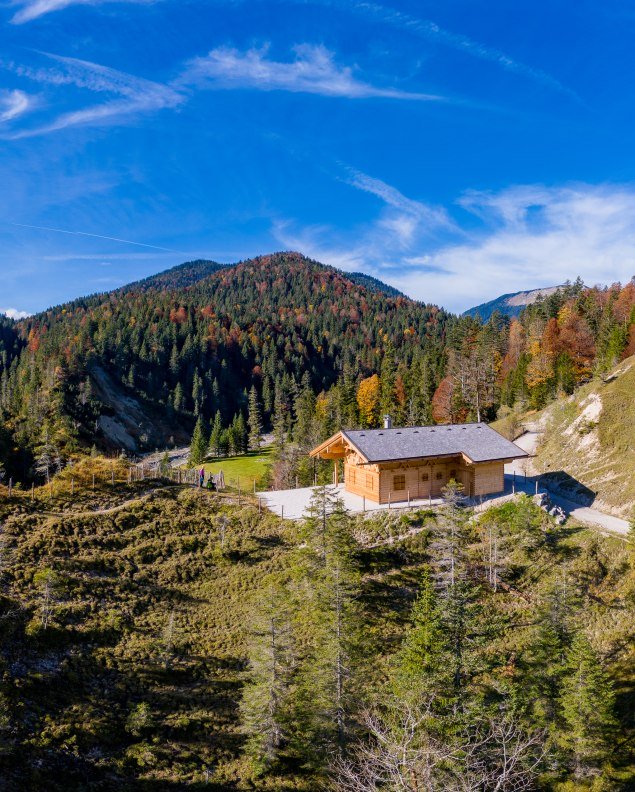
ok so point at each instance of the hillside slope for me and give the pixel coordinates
(591, 436)
(130, 634)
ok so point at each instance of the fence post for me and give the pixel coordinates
(282, 512)
(536, 485)
(408, 498)
(389, 500)
(363, 504)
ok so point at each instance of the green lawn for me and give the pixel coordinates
(244, 468)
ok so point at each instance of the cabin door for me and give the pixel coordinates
(425, 478)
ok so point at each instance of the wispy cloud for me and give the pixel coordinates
(134, 94)
(313, 70)
(13, 104)
(410, 214)
(32, 9)
(529, 236)
(95, 236)
(14, 313)
(427, 29)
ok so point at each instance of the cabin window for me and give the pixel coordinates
(425, 477)
(439, 476)
(369, 481)
(399, 482)
(453, 474)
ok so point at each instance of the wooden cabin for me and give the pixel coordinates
(398, 464)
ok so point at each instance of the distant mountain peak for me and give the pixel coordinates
(511, 304)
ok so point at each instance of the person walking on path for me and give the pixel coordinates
(201, 477)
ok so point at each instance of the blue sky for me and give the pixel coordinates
(455, 149)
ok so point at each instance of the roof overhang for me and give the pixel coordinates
(335, 447)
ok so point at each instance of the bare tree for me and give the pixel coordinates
(403, 754)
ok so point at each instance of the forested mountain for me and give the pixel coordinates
(178, 277)
(137, 367)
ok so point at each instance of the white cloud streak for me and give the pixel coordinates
(431, 31)
(530, 236)
(312, 71)
(137, 95)
(13, 104)
(33, 9)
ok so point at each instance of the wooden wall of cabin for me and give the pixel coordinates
(420, 479)
(489, 478)
(362, 480)
(379, 484)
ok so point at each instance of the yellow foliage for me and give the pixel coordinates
(368, 400)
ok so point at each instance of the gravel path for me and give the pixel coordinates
(584, 514)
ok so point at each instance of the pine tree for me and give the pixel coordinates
(266, 696)
(255, 420)
(587, 708)
(216, 433)
(423, 656)
(199, 443)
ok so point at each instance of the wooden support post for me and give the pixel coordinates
(254, 486)
(259, 505)
(408, 498)
(430, 497)
(282, 512)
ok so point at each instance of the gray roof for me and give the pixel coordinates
(477, 441)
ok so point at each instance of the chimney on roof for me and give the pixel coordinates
(387, 422)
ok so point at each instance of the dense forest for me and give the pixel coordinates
(320, 350)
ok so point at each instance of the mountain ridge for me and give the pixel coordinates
(511, 304)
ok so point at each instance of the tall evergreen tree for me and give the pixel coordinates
(587, 708)
(199, 442)
(254, 420)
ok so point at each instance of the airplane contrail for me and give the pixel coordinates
(96, 236)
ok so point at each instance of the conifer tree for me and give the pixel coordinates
(587, 707)
(266, 696)
(254, 420)
(215, 438)
(423, 656)
(199, 443)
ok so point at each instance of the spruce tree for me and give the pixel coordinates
(215, 438)
(199, 443)
(255, 420)
(265, 704)
(422, 660)
(587, 708)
